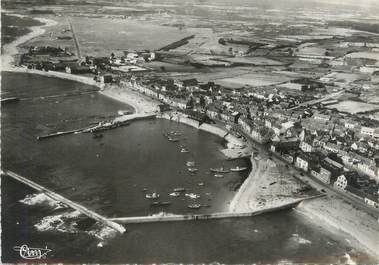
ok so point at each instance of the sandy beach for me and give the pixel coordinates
(140, 103)
(261, 190)
(339, 215)
(266, 187)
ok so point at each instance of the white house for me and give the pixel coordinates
(341, 182)
(372, 132)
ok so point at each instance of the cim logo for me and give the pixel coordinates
(32, 253)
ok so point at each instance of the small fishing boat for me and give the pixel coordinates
(193, 169)
(238, 169)
(173, 139)
(190, 163)
(153, 195)
(219, 170)
(194, 206)
(179, 189)
(124, 112)
(184, 150)
(219, 175)
(200, 184)
(161, 203)
(174, 194)
(192, 195)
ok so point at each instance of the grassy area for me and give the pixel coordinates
(15, 26)
(98, 36)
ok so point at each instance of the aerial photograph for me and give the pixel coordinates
(189, 132)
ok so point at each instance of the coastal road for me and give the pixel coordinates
(75, 40)
(291, 170)
(329, 190)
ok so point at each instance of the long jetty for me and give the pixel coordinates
(66, 201)
(116, 122)
(197, 217)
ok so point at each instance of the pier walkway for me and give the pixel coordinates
(118, 121)
(167, 217)
(66, 201)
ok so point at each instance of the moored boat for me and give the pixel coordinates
(219, 170)
(190, 163)
(238, 169)
(124, 112)
(193, 169)
(179, 189)
(192, 195)
(219, 175)
(184, 150)
(161, 203)
(194, 206)
(174, 194)
(153, 195)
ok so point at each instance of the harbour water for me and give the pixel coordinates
(111, 176)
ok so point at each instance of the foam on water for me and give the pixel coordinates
(42, 199)
(61, 222)
(102, 232)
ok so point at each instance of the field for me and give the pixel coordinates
(254, 80)
(15, 26)
(354, 107)
(365, 55)
(54, 36)
(100, 37)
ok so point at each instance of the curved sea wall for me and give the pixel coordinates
(221, 132)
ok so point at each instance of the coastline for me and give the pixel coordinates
(11, 49)
(266, 187)
(143, 104)
(140, 103)
(339, 215)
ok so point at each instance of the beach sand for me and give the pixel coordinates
(140, 103)
(340, 215)
(266, 187)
